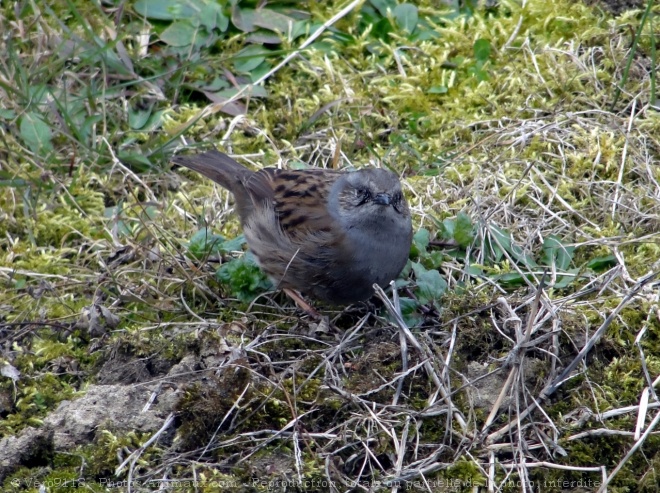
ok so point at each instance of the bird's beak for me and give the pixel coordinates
(382, 199)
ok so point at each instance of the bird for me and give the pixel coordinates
(328, 234)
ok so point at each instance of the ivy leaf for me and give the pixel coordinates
(464, 230)
(409, 312)
(179, 33)
(430, 284)
(212, 17)
(420, 242)
(406, 16)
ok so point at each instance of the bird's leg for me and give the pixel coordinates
(302, 304)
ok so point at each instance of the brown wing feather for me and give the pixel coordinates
(297, 196)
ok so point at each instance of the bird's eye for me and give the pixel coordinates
(397, 198)
(364, 195)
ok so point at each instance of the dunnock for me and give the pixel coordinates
(328, 234)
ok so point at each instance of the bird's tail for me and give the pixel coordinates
(218, 167)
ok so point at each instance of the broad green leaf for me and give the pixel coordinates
(482, 49)
(243, 19)
(36, 133)
(179, 33)
(430, 284)
(420, 242)
(406, 17)
(212, 17)
(138, 118)
(382, 6)
(503, 238)
(260, 71)
(249, 58)
(476, 270)
(463, 230)
(447, 229)
(204, 243)
(565, 281)
(409, 312)
(434, 259)
(135, 160)
(15, 183)
(300, 28)
(511, 280)
(233, 245)
(273, 21)
(154, 121)
(555, 253)
(599, 264)
(169, 10)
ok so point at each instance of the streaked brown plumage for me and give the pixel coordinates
(329, 234)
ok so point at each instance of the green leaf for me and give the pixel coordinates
(233, 245)
(204, 243)
(406, 16)
(6, 114)
(136, 160)
(512, 280)
(382, 6)
(447, 229)
(243, 19)
(409, 311)
(273, 21)
(430, 284)
(36, 133)
(565, 281)
(502, 240)
(179, 33)
(263, 37)
(138, 118)
(555, 253)
(249, 58)
(15, 183)
(464, 230)
(243, 278)
(212, 17)
(434, 259)
(599, 264)
(169, 10)
(420, 242)
(482, 50)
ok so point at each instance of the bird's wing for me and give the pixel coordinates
(299, 198)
